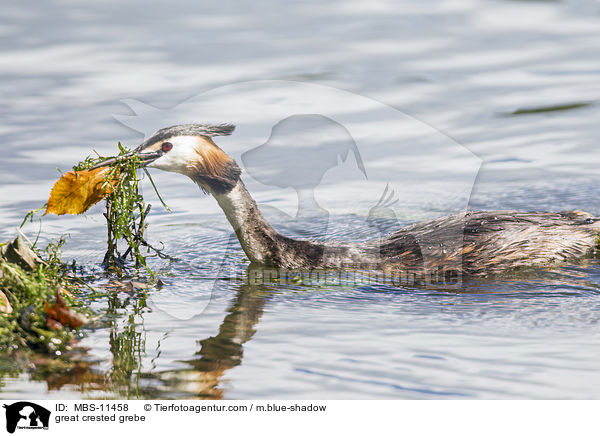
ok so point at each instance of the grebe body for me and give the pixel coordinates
(472, 243)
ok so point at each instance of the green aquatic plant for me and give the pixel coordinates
(34, 296)
(42, 299)
(126, 211)
(37, 290)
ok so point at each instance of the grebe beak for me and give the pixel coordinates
(145, 158)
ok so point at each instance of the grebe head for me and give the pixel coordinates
(188, 149)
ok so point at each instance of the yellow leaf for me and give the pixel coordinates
(76, 192)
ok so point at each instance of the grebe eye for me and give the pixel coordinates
(166, 146)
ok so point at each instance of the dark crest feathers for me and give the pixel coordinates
(209, 130)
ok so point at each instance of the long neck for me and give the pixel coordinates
(261, 242)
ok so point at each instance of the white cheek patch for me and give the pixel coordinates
(178, 159)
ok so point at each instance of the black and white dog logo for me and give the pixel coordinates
(26, 415)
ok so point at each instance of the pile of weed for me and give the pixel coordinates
(30, 293)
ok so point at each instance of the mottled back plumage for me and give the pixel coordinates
(491, 242)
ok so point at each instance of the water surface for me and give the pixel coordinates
(500, 101)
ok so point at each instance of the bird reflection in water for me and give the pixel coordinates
(224, 351)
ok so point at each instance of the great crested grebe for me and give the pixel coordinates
(472, 243)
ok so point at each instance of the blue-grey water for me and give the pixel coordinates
(481, 104)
